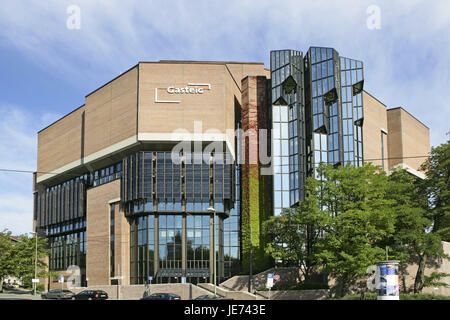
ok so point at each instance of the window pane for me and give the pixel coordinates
(162, 221)
(276, 113)
(286, 199)
(276, 131)
(284, 131)
(284, 113)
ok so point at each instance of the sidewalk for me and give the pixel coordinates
(20, 296)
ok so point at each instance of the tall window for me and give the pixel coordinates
(170, 236)
(112, 239)
(197, 241)
(383, 136)
(67, 243)
(280, 154)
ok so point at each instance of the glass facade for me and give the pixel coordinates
(171, 228)
(60, 212)
(288, 124)
(317, 116)
(352, 110)
(67, 244)
(170, 246)
(66, 201)
(232, 226)
(153, 182)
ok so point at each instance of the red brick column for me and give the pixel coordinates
(255, 204)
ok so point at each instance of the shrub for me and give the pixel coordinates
(40, 288)
(403, 296)
(423, 296)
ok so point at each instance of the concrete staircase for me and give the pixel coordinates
(230, 294)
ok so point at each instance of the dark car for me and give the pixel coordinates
(91, 295)
(208, 297)
(57, 294)
(162, 296)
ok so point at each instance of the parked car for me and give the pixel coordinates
(205, 297)
(162, 296)
(208, 297)
(91, 295)
(8, 285)
(57, 294)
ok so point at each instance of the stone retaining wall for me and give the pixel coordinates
(295, 294)
(186, 291)
(235, 295)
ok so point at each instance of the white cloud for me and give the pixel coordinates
(18, 143)
(16, 213)
(114, 35)
(406, 61)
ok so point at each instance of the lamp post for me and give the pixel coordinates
(35, 263)
(211, 209)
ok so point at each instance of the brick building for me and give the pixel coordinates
(167, 161)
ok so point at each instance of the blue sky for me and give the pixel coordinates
(47, 69)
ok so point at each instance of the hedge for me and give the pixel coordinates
(403, 296)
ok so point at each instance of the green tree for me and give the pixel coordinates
(296, 232)
(23, 257)
(436, 188)
(362, 218)
(411, 241)
(6, 264)
(435, 280)
(340, 225)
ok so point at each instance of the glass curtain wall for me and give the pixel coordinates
(288, 128)
(171, 227)
(325, 142)
(317, 116)
(336, 108)
(352, 110)
(67, 244)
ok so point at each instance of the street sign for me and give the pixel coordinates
(183, 279)
(276, 277)
(61, 278)
(150, 278)
(35, 280)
